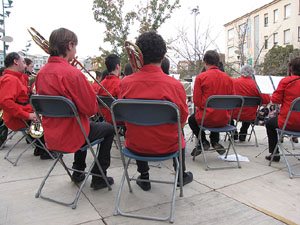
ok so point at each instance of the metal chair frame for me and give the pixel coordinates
(147, 113)
(295, 107)
(33, 143)
(224, 102)
(59, 107)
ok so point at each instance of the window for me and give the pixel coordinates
(275, 14)
(230, 51)
(275, 39)
(298, 33)
(266, 19)
(230, 34)
(287, 11)
(287, 37)
(266, 42)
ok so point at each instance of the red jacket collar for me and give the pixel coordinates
(151, 69)
(112, 76)
(57, 59)
(13, 73)
(213, 67)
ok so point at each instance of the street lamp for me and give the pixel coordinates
(5, 13)
(195, 11)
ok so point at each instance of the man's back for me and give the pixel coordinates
(212, 82)
(151, 83)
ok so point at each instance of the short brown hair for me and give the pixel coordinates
(59, 41)
(295, 66)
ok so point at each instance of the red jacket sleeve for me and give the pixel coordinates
(278, 94)
(197, 95)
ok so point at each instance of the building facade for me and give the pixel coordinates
(251, 36)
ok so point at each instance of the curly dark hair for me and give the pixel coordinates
(295, 66)
(111, 61)
(9, 59)
(128, 69)
(152, 46)
(211, 57)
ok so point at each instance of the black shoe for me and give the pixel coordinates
(187, 178)
(77, 177)
(219, 148)
(198, 149)
(235, 136)
(242, 137)
(44, 155)
(275, 159)
(146, 186)
(37, 151)
(100, 183)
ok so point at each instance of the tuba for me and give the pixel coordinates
(44, 44)
(135, 56)
(36, 130)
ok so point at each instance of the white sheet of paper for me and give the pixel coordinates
(276, 80)
(232, 158)
(264, 84)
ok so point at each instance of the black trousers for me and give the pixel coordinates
(97, 130)
(271, 126)
(143, 167)
(244, 127)
(214, 136)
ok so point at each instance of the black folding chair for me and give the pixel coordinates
(294, 108)
(221, 102)
(60, 107)
(250, 102)
(147, 113)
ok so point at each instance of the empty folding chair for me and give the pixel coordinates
(147, 113)
(61, 107)
(221, 102)
(294, 108)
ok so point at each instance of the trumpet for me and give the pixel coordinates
(44, 44)
(135, 56)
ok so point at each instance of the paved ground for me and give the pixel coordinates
(254, 194)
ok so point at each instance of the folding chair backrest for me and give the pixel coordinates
(295, 107)
(228, 102)
(53, 106)
(251, 101)
(145, 112)
(106, 99)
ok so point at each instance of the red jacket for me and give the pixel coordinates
(245, 86)
(151, 83)
(96, 87)
(287, 90)
(112, 84)
(59, 78)
(212, 82)
(13, 90)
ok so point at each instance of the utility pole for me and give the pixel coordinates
(195, 11)
(5, 13)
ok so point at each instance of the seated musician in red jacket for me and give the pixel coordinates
(211, 82)
(111, 82)
(14, 97)
(152, 83)
(95, 85)
(59, 78)
(245, 86)
(287, 90)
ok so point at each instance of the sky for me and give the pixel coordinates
(77, 15)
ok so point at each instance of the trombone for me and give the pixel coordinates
(44, 44)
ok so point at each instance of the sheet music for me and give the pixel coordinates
(276, 80)
(264, 84)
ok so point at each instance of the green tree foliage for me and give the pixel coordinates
(276, 60)
(119, 24)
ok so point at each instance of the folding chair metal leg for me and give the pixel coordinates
(172, 210)
(19, 156)
(10, 135)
